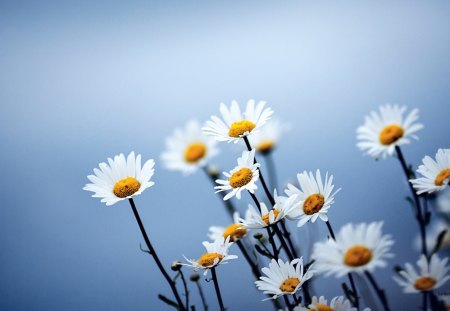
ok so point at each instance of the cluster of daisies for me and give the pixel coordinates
(355, 249)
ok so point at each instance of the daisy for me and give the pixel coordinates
(432, 275)
(357, 248)
(216, 254)
(336, 304)
(265, 140)
(188, 149)
(313, 199)
(121, 178)
(242, 177)
(383, 131)
(436, 174)
(236, 124)
(283, 278)
(235, 231)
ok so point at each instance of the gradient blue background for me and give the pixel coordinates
(81, 81)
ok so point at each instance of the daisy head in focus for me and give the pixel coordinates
(235, 231)
(384, 130)
(313, 199)
(121, 178)
(266, 139)
(188, 149)
(216, 254)
(283, 278)
(339, 303)
(357, 248)
(431, 275)
(436, 173)
(243, 177)
(236, 124)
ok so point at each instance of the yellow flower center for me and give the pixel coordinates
(265, 217)
(265, 146)
(241, 178)
(357, 255)
(289, 285)
(235, 232)
(237, 129)
(322, 307)
(390, 134)
(313, 204)
(442, 176)
(207, 259)
(424, 283)
(194, 152)
(126, 187)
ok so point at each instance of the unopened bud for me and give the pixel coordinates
(176, 265)
(195, 277)
(258, 236)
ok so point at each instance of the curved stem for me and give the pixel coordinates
(250, 261)
(202, 296)
(355, 292)
(155, 256)
(380, 293)
(286, 301)
(186, 291)
(216, 286)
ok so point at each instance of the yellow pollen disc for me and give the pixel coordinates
(235, 232)
(241, 177)
(265, 146)
(207, 259)
(390, 134)
(126, 187)
(289, 285)
(442, 176)
(424, 283)
(237, 129)
(357, 255)
(265, 217)
(313, 204)
(194, 152)
(322, 307)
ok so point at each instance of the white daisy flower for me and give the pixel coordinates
(188, 149)
(436, 174)
(313, 199)
(443, 201)
(357, 248)
(433, 232)
(265, 140)
(283, 278)
(236, 124)
(216, 254)
(243, 177)
(235, 231)
(432, 275)
(336, 304)
(383, 131)
(121, 178)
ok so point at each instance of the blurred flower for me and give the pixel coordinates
(445, 298)
(283, 278)
(265, 140)
(216, 254)
(443, 201)
(242, 177)
(313, 199)
(121, 178)
(188, 149)
(336, 304)
(433, 232)
(237, 124)
(235, 231)
(383, 131)
(436, 174)
(357, 248)
(431, 276)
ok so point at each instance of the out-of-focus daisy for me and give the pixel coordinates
(431, 275)
(357, 248)
(216, 254)
(313, 199)
(443, 201)
(445, 298)
(235, 231)
(436, 174)
(384, 130)
(433, 232)
(188, 149)
(283, 278)
(236, 124)
(121, 178)
(336, 304)
(242, 177)
(265, 140)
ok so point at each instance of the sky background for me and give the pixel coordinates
(81, 81)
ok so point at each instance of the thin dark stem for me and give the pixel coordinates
(186, 291)
(250, 261)
(425, 301)
(216, 286)
(355, 292)
(271, 169)
(155, 256)
(258, 205)
(330, 230)
(283, 242)
(286, 301)
(228, 204)
(380, 293)
(272, 242)
(287, 235)
(202, 296)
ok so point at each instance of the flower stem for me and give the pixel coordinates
(202, 296)
(155, 256)
(253, 265)
(380, 293)
(216, 286)
(186, 291)
(330, 229)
